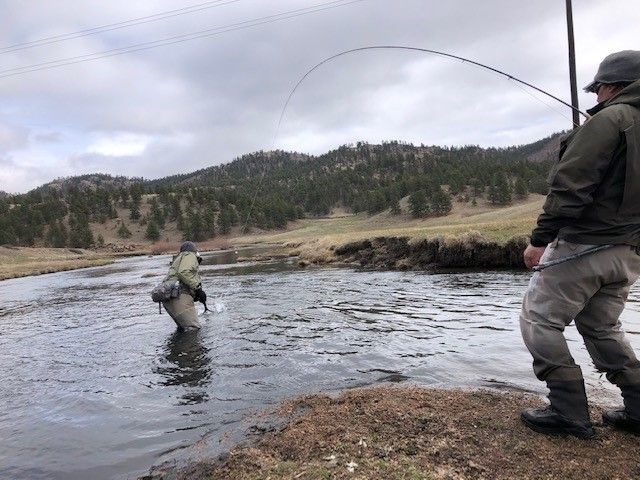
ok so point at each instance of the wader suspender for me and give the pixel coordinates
(160, 303)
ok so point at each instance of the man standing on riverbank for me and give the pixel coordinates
(594, 200)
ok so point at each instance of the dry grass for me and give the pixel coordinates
(162, 247)
(499, 224)
(22, 261)
(313, 239)
(218, 243)
(416, 433)
(159, 248)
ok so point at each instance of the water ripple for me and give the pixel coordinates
(97, 384)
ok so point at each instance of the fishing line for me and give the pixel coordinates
(544, 102)
(416, 49)
(519, 83)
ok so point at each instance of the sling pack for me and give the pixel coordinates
(165, 291)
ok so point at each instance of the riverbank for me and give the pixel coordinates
(24, 261)
(415, 433)
(470, 237)
(18, 262)
(470, 250)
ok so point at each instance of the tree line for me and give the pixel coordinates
(266, 190)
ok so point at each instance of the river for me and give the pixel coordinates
(96, 384)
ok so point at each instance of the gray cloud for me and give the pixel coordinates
(204, 102)
(48, 137)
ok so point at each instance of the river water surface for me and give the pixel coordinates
(96, 384)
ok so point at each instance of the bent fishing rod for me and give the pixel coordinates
(423, 50)
(395, 47)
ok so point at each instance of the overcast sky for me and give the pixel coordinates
(203, 102)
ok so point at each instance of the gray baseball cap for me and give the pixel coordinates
(621, 66)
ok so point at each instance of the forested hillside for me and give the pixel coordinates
(266, 190)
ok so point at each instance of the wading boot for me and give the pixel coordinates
(568, 413)
(621, 420)
(627, 418)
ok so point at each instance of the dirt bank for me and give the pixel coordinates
(416, 433)
(471, 250)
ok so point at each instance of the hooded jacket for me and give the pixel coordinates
(594, 195)
(184, 268)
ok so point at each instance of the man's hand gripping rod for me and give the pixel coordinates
(552, 263)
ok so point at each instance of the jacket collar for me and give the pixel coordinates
(593, 110)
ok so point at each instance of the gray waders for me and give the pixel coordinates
(183, 311)
(590, 290)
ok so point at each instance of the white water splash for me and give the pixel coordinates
(219, 307)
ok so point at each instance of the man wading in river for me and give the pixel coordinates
(594, 200)
(184, 269)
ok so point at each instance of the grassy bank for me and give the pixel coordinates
(468, 229)
(22, 261)
(498, 224)
(415, 433)
(314, 240)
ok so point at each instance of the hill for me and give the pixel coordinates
(91, 181)
(268, 190)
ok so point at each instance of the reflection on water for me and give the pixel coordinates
(188, 365)
(96, 384)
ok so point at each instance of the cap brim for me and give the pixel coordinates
(591, 87)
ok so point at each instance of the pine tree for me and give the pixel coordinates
(440, 202)
(225, 221)
(538, 185)
(80, 234)
(180, 223)
(123, 231)
(56, 235)
(418, 204)
(156, 214)
(152, 232)
(500, 190)
(194, 228)
(209, 221)
(134, 205)
(375, 202)
(134, 213)
(520, 189)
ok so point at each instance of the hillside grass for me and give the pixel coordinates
(498, 224)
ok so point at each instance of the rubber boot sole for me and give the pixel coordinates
(578, 432)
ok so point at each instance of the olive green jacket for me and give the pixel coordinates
(184, 268)
(594, 195)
